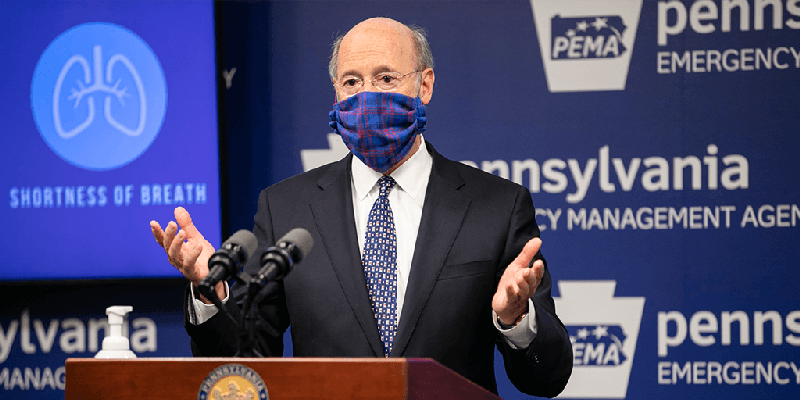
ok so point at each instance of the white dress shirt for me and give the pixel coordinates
(406, 200)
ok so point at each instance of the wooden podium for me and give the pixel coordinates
(285, 378)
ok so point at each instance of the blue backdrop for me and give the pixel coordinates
(657, 139)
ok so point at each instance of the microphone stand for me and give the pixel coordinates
(247, 340)
(257, 289)
(244, 322)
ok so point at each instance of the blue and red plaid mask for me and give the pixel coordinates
(379, 127)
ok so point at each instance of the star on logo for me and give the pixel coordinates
(570, 33)
(582, 26)
(583, 333)
(600, 331)
(600, 23)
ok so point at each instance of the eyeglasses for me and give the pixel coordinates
(385, 81)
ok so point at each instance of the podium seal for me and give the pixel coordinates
(233, 382)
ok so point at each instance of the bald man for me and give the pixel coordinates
(415, 255)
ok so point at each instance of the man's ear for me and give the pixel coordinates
(426, 85)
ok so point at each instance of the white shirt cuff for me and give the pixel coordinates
(202, 311)
(520, 336)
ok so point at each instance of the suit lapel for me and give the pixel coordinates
(442, 216)
(333, 214)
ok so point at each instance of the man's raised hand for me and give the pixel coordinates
(518, 284)
(187, 249)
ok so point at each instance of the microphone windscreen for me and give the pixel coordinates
(300, 238)
(244, 239)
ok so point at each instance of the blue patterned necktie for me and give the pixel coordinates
(380, 264)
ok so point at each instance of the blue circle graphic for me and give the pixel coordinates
(98, 96)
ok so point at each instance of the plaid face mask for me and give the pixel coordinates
(379, 127)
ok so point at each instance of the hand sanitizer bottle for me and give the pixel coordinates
(114, 344)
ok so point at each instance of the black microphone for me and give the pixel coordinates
(225, 261)
(291, 248)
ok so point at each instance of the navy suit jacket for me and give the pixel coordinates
(473, 225)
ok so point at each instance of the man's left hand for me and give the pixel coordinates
(518, 284)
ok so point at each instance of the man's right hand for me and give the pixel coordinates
(187, 249)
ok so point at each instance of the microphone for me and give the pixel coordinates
(291, 248)
(225, 261)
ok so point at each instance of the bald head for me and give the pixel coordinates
(409, 42)
(381, 26)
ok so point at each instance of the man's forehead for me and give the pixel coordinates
(377, 39)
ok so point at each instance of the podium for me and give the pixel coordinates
(285, 378)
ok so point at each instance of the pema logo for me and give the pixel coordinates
(603, 330)
(98, 96)
(597, 344)
(586, 45)
(577, 38)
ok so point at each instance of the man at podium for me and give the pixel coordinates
(415, 255)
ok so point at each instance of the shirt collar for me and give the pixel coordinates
(406, 175)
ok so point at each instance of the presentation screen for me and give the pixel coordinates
(110, 121)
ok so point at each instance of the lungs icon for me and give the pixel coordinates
(98, 84)
(98, 96)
